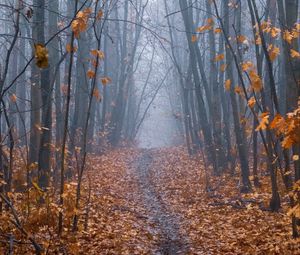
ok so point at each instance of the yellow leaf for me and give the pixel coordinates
(273, 52)
(287, 36)
(227, 84)
(295, 54)
(275, 31)
(41, 55)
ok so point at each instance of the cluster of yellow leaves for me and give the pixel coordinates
(41, 55)
(268, 28)
(80, 24)
(288, 127)
(292, 34)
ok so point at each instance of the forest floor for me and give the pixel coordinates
(156, 202)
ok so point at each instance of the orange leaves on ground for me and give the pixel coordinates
(227, 85)
(91, 74)
(264, 121)
(106, 80)
(295, 54)
(41, 55)
(256, 82)
(80, 24)
(219, 57)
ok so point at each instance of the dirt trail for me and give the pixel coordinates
(166, 223)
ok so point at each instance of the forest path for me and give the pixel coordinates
(165, 222)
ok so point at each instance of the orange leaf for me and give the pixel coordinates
(90, 74)
(264, 121)
(106, 80)
(251, 102)
(227, 84)
(256, 82)
(295, 54)
(218, 30)
(13, 98)
(223, 67)
(287, 36)
(194, 38)
(219, 57)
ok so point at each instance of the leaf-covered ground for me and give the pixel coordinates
(156, 202)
